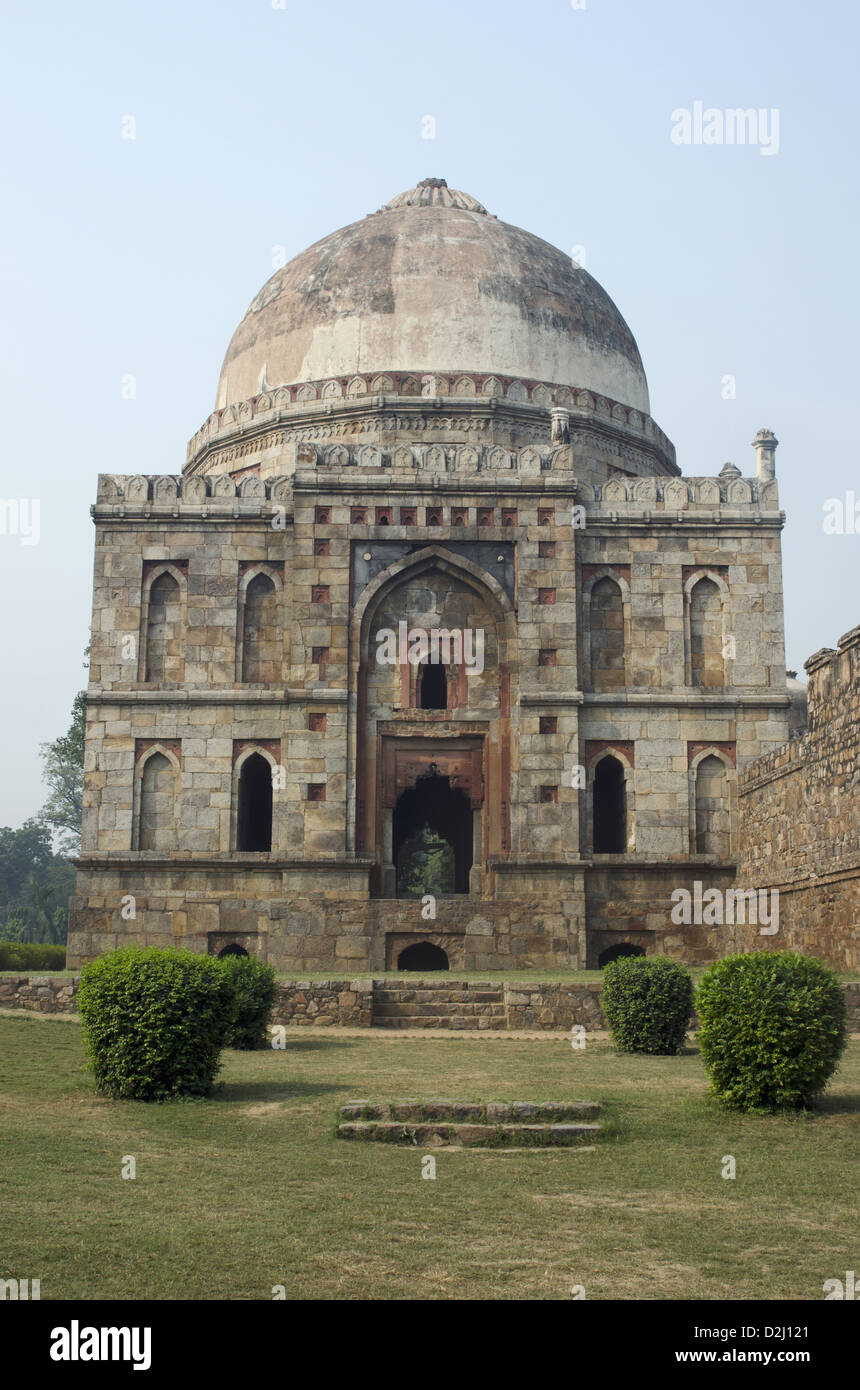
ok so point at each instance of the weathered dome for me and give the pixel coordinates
(433, 283)
(798, 712)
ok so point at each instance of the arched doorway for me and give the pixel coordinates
(232, 950)
(432, 838)
(624, 948)
(423, 955)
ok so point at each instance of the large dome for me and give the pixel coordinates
(433, 283)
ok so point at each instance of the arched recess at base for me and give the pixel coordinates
(623, 948)
(423, 955)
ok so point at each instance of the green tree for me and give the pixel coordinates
(22, 853)
(35, 885)
(64, 772)
(426, 865)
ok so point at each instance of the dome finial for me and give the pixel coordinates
(435, 193)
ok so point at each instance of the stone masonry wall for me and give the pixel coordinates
(800, 818)
(324, 1003)
(531, 1005)
(42, 994)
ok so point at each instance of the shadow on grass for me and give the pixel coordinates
(716, 1109)
(314, 1044)
(229, 1092)
(837, 1105)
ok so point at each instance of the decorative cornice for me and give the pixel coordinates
(146, 860)
(289, 695)
(438, 469)
(360, 395)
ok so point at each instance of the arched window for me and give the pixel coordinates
(157, 789)
(432, 686)
(234, 949)
(163, 657)
(707, 666)
(259, 635)
(610, 807)
(606, 633)
(713, 824)
(254, 812)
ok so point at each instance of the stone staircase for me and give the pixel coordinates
(438, 1004)
(440, 1123)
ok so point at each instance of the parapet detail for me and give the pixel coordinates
(434, 464)
(833, 711)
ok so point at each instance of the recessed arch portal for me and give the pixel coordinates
(433, 644)
(259, 632)
(156, 816)
(712, 813)
(163, 617)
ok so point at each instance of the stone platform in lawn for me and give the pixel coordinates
(436, 1123)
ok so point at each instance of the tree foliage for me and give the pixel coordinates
(35, 885)
(426, 865)
(35, 881)
(63, 762)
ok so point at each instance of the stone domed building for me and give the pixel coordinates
(430, 652)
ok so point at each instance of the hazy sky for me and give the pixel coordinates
(262, 125)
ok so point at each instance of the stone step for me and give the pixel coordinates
(430, 1134)
(492, 1112)
(409, 982)
(395, 1009)
(448, 996)
(443, 1020)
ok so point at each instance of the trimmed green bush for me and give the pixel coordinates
(647, 1001)
(253, 985)
(771, 1028)
(26, 955)
(155, 1021)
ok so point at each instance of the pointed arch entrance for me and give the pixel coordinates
(458, 711)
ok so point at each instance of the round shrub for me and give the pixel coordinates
(647, 1001)
(155, 1021)
(253, 986)
(771, 1028)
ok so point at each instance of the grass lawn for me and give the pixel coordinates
(252, 1189)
